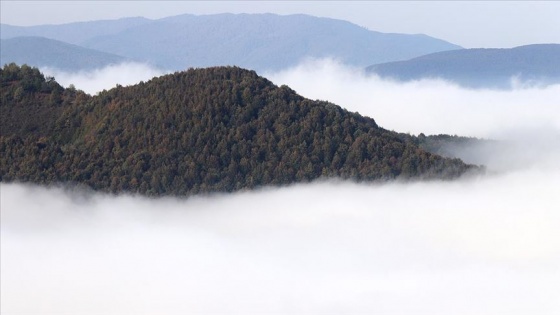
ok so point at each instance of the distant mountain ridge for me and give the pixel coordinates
(261, 42)
(72, 33)
(44, 52)
(203, 130)
(530, 64)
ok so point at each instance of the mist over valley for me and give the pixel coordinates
(323, 246)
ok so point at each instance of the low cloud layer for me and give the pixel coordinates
(482, 245)
(95, 81)
(428, 106)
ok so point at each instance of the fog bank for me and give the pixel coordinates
(426, 106)
(481, 246)
(95, 81)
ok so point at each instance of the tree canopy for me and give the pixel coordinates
(217, 129)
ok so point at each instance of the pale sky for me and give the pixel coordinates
(471, 24)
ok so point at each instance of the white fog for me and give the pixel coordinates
(426, 106)
(480, 245)
(95, 81)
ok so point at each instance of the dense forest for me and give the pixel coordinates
(217, 129)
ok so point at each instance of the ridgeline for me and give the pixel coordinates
(532, 65)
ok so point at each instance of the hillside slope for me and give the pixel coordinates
(44, 52)
(204, 130)
(538, 64)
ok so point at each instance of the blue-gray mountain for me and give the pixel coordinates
(476, 68)
(44, 52)
(73, 33)
(257, 41)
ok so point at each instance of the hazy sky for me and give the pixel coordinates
(468, 23)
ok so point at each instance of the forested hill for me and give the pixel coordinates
(202, 130)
